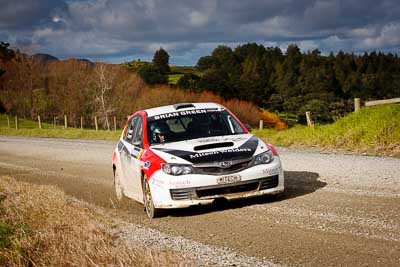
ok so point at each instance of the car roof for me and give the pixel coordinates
(182, 107)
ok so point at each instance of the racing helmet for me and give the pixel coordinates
(160, 129)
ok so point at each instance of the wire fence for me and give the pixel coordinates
(50, 121)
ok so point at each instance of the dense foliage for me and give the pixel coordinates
(294, 82)
(155, 73)
(79, 88)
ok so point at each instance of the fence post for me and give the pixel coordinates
(16, 123)
(115, 124)
(95, 123)
(357, 104)
(310, 123)
(65, 122)
(39, 122)
(82, 123)
(8, 122)
(261, 125)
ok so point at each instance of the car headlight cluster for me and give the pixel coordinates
(176, 169)
(263, 158)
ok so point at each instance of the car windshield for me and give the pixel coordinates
(180, 126)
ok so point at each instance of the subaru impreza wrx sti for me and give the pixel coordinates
(189, 154)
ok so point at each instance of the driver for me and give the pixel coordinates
(160, 131)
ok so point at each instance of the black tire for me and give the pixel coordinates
(149, 208)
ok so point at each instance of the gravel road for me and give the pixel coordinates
(336, 210)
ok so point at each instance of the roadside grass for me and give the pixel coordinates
(41, 226)
(374, 130)
(30, 128)
(23, 123)
(70, 133)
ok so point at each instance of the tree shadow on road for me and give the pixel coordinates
(297, 183)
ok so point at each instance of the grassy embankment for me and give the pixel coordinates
(30, 128)
(42, 226)
(373, 130)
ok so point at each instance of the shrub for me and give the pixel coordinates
(152, 75)
(272, 120)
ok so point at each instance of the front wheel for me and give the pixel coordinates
(149, 208)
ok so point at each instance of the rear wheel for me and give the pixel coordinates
(149, 208)
(118, 186)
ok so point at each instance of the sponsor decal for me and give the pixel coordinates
(233, 150)
(147, 164)
(271, 171)
(180, 113)
(158, 182)
(243, 152)
(179, 182)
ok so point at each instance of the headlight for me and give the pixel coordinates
(176, 169)
(263, 158)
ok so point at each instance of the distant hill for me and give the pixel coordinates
(44, 58)
(135, 65)
(91, 63)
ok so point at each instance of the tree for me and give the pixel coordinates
(161, 61)
(152, 75)
(6, 54)
(188, 81)
(205, 63)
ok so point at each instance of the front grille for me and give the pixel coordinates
(218, 170)
(269, 182)
(180, 194)
(221, 190)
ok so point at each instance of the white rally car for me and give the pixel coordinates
(189, 154)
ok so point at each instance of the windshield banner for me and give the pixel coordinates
(180, 113)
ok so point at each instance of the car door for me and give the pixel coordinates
(130, 158)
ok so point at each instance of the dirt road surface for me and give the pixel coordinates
(336, 210)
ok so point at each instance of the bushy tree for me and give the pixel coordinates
(205, 63)
(188, 81)
(161, 61)
(152, 75)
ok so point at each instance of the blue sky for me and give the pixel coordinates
(122, 30)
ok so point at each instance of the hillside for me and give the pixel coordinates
(373, 130)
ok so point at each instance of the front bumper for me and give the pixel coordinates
(194, 189)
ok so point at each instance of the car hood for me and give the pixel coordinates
(211, 149)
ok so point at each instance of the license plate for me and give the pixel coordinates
(229, 179)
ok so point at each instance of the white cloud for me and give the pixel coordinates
(198, 19)
(388, 37)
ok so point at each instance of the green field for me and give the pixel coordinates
(174, 78)
(373, 130)
(184, 70)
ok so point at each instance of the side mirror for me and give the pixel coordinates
(137, 143)
(248, 127)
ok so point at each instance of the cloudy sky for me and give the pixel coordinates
(122, 30)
